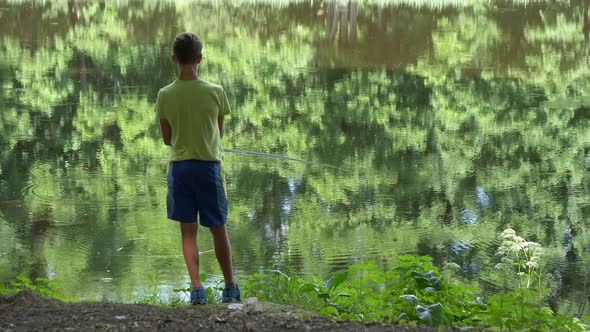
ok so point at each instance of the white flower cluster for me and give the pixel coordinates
(516, 245)
(515, 249)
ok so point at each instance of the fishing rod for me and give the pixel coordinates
(268, 155)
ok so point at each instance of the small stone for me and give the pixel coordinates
(235, 306)
(120, 317)
(220, 319)
(252, 306)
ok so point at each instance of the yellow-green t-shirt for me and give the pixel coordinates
(192, 107)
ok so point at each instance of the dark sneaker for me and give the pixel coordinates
(231, 294)
(198, 296)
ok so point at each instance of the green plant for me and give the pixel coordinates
(213, 294)
(412, 292)
(153, 294)
(520, 304)
(327, 292)
(42, 286)
(522, 254)
(276, 286)
(415, 292)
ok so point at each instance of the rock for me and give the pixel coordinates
(251, 300)
(252, 306)
(235, 306)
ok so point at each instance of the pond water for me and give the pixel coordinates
(359, 131)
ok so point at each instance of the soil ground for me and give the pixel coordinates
(28, 311)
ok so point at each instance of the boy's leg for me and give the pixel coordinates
(223, 252)
(191, 251)
(231, 293)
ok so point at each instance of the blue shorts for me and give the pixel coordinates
(195, 188)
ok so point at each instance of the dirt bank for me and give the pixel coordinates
(28, 311)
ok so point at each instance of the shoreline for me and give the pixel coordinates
(28, 311)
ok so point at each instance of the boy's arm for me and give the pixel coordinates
(221, 126)
(223, 111)
(166, 131)
(164, 124)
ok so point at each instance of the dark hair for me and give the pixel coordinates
(187, 47)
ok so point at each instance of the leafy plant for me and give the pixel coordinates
(153, 294)
(276, 286)
(42, 286)
(520, 306)
(412, 292)
(415, 292)
(327, 292)
(213, 294)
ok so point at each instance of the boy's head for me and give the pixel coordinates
(187, 49)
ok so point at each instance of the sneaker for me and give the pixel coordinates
(198, 296)
(231, 294)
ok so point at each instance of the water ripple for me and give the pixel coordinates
(98, 190)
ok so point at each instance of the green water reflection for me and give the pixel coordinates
(428, 128)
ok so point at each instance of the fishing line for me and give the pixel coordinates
(267, 155)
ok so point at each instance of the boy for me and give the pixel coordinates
(191, 113)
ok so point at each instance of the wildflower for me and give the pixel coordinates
(508, 232)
